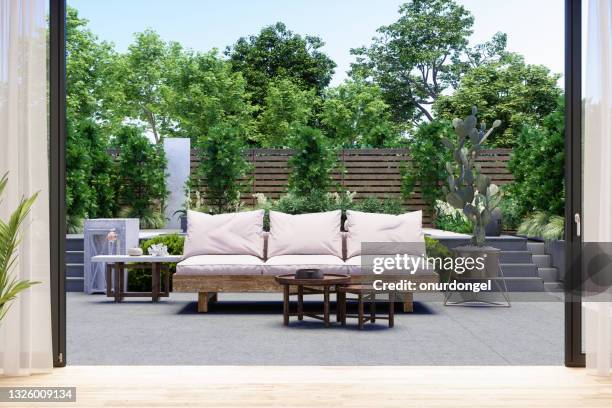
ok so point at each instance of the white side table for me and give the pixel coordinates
(119, 263)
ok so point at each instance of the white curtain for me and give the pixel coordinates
(25, 333)
(597, 181)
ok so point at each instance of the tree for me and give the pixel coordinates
(507, 89)
(312, 162)
(146, 71)
(412, 59)
(355, 114)
(223, 166)
(278, 52)
(285, 106)
(79, 194)
(207, 94)
(538, 163)
(141, 177)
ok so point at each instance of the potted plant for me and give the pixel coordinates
(472, 192)
(550, 229)
(10, 237)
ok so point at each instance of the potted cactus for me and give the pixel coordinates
(471, 191)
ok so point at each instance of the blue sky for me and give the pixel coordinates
(535, 27)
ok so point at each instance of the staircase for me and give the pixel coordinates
(74, 263)
(525, 265)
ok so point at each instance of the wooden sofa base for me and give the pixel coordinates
(207, 286)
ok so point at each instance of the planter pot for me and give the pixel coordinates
(183, 219)
(494, 227)
(491, 261)
(556, 250)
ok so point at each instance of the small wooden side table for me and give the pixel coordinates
(365, 293)
(119, 263)
(309, 287)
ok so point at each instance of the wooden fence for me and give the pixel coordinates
(367, 172)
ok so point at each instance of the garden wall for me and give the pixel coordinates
(368, 172)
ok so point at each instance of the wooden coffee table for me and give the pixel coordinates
(365, 293)
(309, 287)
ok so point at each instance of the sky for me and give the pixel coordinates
(535, 28)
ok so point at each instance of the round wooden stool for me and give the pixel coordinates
(365, 294)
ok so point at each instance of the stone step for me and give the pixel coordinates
(74, 244)
(525, 284)
(504, 243)
(536, 248)
(548, 274)
(553, 286)
(542, 261)
(74, 257)
(511, 257)
(74, 284)
(519, 270)
(74, 270)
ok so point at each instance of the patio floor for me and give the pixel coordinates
(246, 329)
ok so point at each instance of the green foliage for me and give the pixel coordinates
(377, 205)
(147, 70)
(538, 163)
(315, 202)
(10, 238)
(451, 219)
(507, 89)
(542, 225)
(139, 280)
(223, 165)
(286, 105)
(429, 156)
(141, 176)
(312, 162)
(355, 114)
(79, 194)
(208, 94)
(277, 52)
(415, 59)
(467, 189)
(511, 209)
(435, 249)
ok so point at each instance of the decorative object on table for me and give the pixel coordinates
(135, 251)
(115, 276)
(309, 274)
(112, 237)
(158, 250)
(365, 294)
(96, 243)
(10, 237)
(309, 287)
(472, 192)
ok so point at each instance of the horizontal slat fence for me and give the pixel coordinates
(367, 172)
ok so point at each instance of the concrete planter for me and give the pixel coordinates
(494, 227)
(183, 220)
(491, 263)
(556, 250)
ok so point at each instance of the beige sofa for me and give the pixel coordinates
(224, 254)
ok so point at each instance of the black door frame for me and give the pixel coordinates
(573, 116)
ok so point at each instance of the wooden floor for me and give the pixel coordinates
(549, 387)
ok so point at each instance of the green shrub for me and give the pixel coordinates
(538, 163)
(451, 219)
(429, 156)
(223, 165)
(311, 164)
(511, 210)
(139, 280)
(435, 249)
(543, 226)
(381, 206)
(140, 176)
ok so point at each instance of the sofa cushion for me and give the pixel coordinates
(220, 265)
(305, 234)
(285, 264)
(370, 227)
(354, 268)
(224, 234)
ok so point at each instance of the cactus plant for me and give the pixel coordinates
(467, 188)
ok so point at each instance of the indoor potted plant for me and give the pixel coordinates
(472, 192)
(10, 237)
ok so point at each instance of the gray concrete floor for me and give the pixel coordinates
(246, 329)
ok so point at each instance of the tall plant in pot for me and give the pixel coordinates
(10, 238)
(471, 191)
